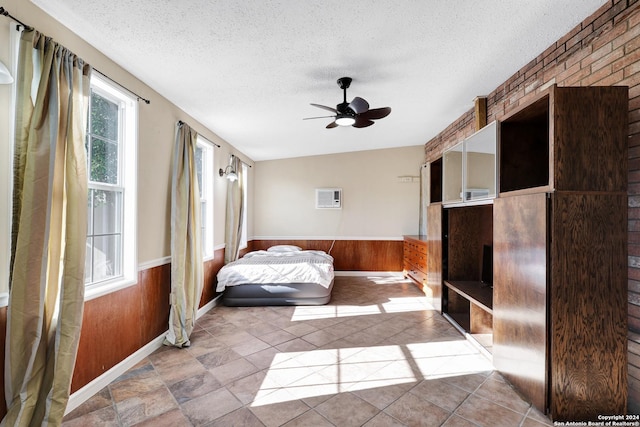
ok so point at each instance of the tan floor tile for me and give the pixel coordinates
(251, 346)
(441, 393)
(383, 420)
(233, 370)
(277, 414)
(207, 408)
(242, 417)
(135, 386)
(377, 346)
(347, 409)
(173, 418)
(309, 418)
(413, 411)
(246, 389)
(502, 393)
(486, 413)
(194, 386)
(143, 406)
(106, 417)
(100, 400)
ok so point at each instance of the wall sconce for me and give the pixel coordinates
(5, 76)
(229, 172)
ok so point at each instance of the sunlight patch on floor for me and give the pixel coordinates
(307, 374)
(393, 305)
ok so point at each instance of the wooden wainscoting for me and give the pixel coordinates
(116, 325)
(350, 255)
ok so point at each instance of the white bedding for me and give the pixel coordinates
(263, 267)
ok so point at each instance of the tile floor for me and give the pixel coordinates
(376, 355)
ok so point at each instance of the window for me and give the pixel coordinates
(204, 166)
(111, 155)
(245, 180)
(6, 163)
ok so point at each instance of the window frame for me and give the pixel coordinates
(127, 184)
(244, 239)
(207, 196)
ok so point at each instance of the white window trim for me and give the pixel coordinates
(245, 179)
(207, 195)
(7, 182)
(129, 182)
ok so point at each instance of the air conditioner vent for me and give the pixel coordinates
(328, 198)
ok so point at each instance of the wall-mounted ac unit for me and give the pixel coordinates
(328, 198)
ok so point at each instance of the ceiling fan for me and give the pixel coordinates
(355, 113)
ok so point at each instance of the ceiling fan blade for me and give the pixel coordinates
(332, 125)
(319, 117)
(359, 105)
(324, 107)
(362, 123)
(376, 113)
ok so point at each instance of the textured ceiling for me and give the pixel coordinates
(249, 69)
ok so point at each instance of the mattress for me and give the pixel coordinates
(281, 275)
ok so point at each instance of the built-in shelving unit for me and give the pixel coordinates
(469, 172)
(560, 284)
(553, 313)
(468, 292)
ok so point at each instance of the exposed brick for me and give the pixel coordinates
(632, 69)
(576, 78)
(609, 14)
(607, 35)
(628, 35)
(611, 79)
(552, 58)
(608, 59)
(578, 56)
(560, 77)
(626, 60)
(597, 54)
(577, 39)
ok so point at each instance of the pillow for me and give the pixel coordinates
(284, 248)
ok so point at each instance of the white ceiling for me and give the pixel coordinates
(248, 70)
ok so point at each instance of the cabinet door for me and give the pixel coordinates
(434, 260)
(520, 293)
(588, 299)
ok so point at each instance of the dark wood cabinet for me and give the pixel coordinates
(560, 252)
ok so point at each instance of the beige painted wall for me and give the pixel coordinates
(156, 134)
(375, 204)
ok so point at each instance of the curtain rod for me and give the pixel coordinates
(241, 161)
(180, 123)
(146, 101)
(6, 13)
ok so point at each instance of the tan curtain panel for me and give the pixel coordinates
(49, 231)
(235, 207)
(186, 241)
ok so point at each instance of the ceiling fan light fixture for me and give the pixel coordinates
(345, 121)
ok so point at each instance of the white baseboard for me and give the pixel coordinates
(86, 392)
(83, 394)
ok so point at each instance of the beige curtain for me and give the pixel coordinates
(235, 208)
(186, 240)
(49, 231)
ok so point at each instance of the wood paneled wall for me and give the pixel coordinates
(117, 325)
(350, 255)
(603, 50)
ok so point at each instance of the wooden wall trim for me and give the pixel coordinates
(349, 255)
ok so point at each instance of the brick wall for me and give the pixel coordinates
(604, 50)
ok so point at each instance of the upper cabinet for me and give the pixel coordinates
(563, 141)
(470, 168)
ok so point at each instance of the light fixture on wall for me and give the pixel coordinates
(5, 76)
(229, 171)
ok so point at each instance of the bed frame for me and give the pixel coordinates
(276, 294)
